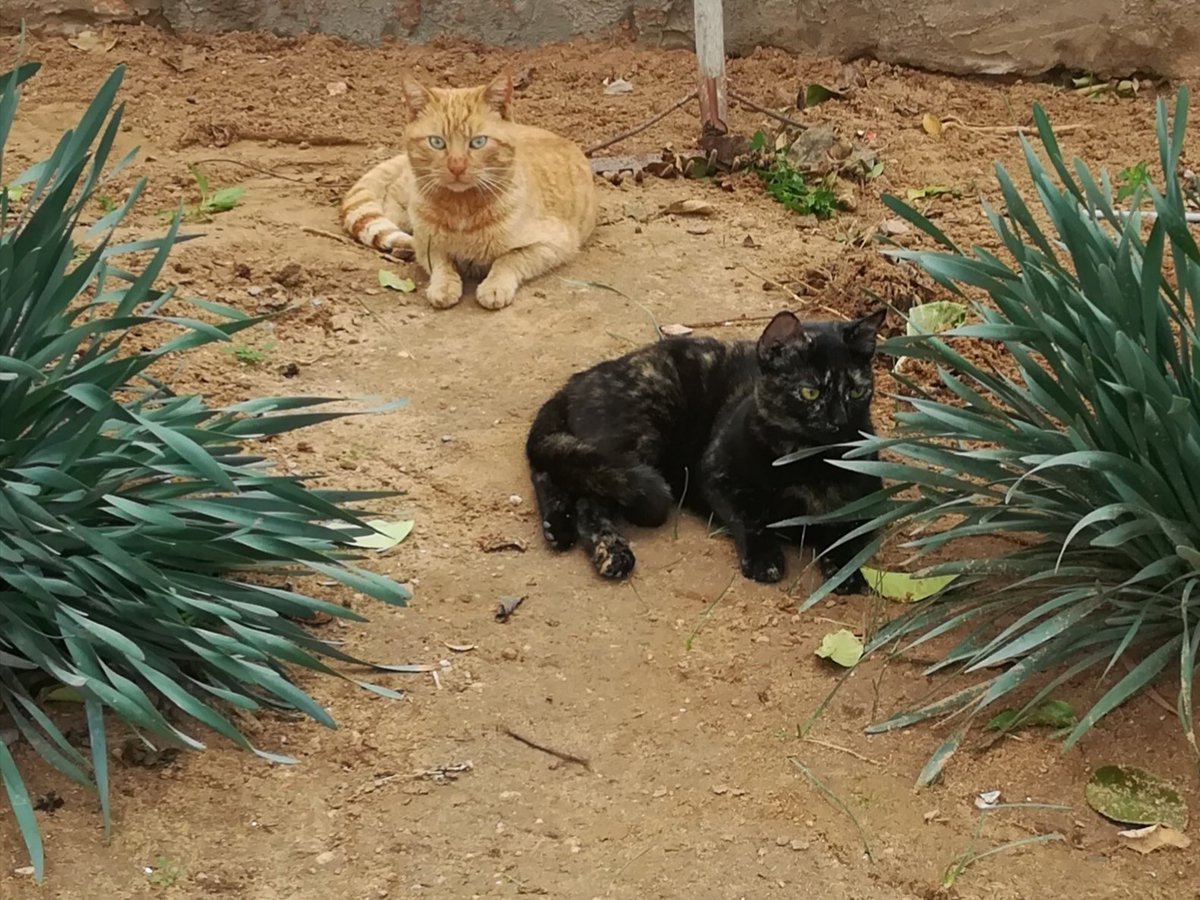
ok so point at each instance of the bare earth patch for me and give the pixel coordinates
(689, 789)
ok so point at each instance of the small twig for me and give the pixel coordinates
(638, 129)
(1003, 129)
(628, 863)
(766, 112)
(1150, 690)
(837, 801)
(343, 239)
(565, 757)
(725, 323)
(252, 168)
(854, 753)
(1147, 215)
(708, 612)
(795, 297)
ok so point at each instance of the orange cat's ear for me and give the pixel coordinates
(416, 95)
(498, 95)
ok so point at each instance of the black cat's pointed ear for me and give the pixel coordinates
(416, 95)
(782, 335)
(861, 334)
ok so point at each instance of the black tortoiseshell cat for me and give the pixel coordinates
(623, 438)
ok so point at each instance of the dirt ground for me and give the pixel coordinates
(693, 788)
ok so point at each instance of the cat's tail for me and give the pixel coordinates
(576, 466)
(363, 216)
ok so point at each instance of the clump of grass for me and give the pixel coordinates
(792, 188)
(248, 355)
(1087, 451)
(149, 559)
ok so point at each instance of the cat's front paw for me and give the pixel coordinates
(443, 293)
(496, 291)
(765, 566)
(613, 557)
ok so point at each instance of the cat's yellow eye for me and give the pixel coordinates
(478, 141)
(858, 393)
(436, 142)
(810, 393)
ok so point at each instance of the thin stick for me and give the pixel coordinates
(565, 757)
(628, 863)
(795, 297)
(342, 239)
(638, 129)
(837, 801)
(708, 612)
(737, 320)
(1148, 215)
(854, 753)
(1003, 129)
(252, 168)
(768, 112)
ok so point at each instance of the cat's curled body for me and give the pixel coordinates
(474, 193)
(702, 421)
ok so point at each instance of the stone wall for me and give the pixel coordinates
(1109, 37)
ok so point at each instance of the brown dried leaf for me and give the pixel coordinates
(494, 543)
(688, 208)
(92, 42)
(893, 227)
(932, 125)
(1155, 837)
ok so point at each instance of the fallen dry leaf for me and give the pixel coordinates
(748, 241)
(336, 88)
(189, 59)
(522, 77)
(932, 125)
(1155, 837)
(688, 208)
(493, 543)
(675, 330)
(92, 42)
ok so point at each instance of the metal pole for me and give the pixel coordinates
(710, 53)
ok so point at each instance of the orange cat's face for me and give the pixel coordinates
(456, 139)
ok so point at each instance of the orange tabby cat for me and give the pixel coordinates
(474, 191)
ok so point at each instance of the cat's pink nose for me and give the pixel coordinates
(456, 166)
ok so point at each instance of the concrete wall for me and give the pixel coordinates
(1110, 37)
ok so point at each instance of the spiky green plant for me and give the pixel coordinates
(1090, 454)
(135, 529)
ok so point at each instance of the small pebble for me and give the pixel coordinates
(508, 653)
(446, 439)
(514, 499)
(325, 858)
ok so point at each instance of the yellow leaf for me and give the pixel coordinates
(932, 125)
(902, 587)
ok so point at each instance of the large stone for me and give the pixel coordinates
(1024, 37)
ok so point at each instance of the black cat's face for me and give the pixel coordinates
(816, 376)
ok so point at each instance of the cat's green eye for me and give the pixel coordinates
(810, 393)
(436, 142)
(478, 141)
(858, 393)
